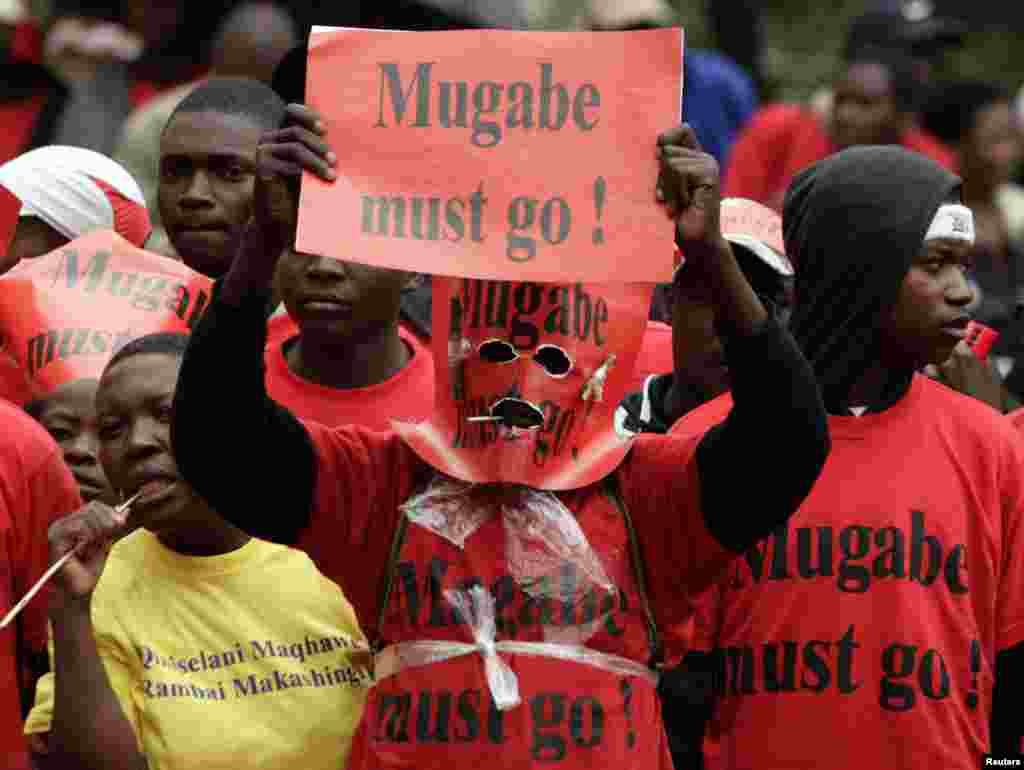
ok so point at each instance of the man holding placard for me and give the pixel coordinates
(521, 566)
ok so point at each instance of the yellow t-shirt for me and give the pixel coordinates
(248, 659)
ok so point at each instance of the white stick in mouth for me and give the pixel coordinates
(54, 568)
(484, 418)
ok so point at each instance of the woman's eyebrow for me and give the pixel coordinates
(58, 413)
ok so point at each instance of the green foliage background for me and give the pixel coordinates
(804, 37)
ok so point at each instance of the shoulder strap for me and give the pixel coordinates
(388, 579)
(423, 477)
(610, 486)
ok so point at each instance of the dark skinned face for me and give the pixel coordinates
(992, 147)
(206, 186)
(133, 407)
(69, 415)
(334, 300)
(865, 109)
(930, 314)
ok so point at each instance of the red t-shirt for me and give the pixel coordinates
(1016, 417)
(783, 139)
(655, 356)
(280, 327)
(865, 634)
(36, 488)
(408, 395)
(441, 715)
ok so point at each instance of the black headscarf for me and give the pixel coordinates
(852, 225)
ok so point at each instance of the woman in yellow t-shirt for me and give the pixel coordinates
(190, 644)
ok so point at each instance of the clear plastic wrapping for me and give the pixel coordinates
(476, 606)
(546, 552)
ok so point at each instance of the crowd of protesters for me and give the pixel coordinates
(800, 551)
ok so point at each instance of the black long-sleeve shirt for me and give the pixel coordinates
(254, 462)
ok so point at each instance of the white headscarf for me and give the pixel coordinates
(76, 191)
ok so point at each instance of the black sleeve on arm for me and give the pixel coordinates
(759, 464)
(688, 695)
(1007, 727)
(249, 457)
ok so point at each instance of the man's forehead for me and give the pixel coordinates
(210, 133)
(946, 246)
(141, 374)
(72, 397)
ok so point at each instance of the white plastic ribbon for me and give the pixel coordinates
(477, 608)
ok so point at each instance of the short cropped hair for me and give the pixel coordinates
(235, 96)
(173, 344)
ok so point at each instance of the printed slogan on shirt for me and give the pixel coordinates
(906, 670)
(252, 668)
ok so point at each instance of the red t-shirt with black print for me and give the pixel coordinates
(865, 633)
(572, 715)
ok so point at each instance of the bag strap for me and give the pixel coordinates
(388, 579)
(610, 486)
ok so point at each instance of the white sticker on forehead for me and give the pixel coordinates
(952, 221)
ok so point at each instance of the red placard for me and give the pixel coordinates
(494, 154)
(64, 314)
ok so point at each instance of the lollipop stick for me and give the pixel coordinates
(36, 588)
(54, 568)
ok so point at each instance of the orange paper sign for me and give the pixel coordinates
(494, 154)
(64, 314)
